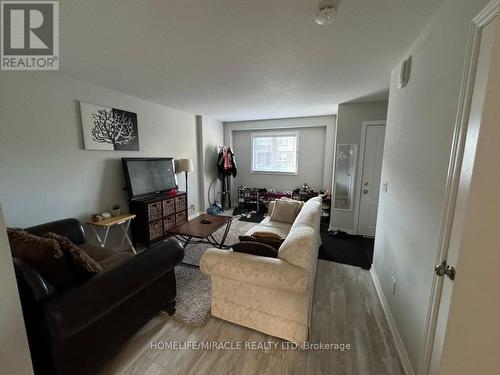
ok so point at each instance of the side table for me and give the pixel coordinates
(101, 229)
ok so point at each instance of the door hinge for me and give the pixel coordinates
(445, 269)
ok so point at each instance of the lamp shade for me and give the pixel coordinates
(185, 165)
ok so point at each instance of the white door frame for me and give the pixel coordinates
(359, 174)
(453, 176)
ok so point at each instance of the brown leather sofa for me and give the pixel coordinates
(76, 331)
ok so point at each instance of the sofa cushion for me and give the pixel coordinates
(285, 211)
(115, 260)
(298, 247)
(269, 238)
(255, 248)
(45, 256)
(107, 258)
(271, 205)
(80, 261)
(96, 252)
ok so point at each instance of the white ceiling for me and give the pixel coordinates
(239, 59)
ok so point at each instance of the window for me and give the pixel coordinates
(275, 153)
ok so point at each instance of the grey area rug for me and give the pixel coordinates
(194, 291)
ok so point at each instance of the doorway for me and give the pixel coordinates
(370, 169)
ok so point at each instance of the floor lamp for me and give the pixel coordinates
(186, 166)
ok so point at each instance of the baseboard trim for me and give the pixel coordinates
(403, 354)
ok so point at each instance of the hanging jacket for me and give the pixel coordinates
(226, 164)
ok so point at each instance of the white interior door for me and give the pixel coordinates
(371, 168)
(483, 58)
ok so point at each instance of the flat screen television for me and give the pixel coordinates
(149, 176)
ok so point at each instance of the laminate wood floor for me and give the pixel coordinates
(346, 310)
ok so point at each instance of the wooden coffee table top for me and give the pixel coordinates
(113, 220)
(195, 228)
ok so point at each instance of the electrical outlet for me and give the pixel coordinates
(393, 285)
(192, 207)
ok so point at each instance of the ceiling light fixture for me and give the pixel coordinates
(327, 11)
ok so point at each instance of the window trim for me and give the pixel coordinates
(283, 133)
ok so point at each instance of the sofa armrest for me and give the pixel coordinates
(263, 271)
(84, 305)
(31, 282)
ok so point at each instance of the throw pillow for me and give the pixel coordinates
(82, 263)
(266, 236)
(255, 248)
(273, 240)
(285, 211)
(44, 255)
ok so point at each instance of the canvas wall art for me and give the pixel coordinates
(106, 128)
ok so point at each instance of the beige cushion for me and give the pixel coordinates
(285, 211)
(297, 249)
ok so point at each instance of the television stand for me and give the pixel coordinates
(156, 215)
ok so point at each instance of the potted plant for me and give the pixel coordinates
(115, 210)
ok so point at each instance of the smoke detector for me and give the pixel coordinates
(327, 11)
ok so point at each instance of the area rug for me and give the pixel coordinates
(254, 218)
(194, 291)
(193, 296)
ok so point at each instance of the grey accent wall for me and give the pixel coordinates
(316, 139)
(45, 172)
(310, 161)
(349, 122)
(420, 124)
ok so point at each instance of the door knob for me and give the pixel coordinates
(444, 269)
(450, 272)
(365, 191)
(440, 269)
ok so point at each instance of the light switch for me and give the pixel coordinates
(385, 186)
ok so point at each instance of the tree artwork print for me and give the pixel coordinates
(106, 128)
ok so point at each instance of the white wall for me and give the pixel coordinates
(316, 140)
(420, 123)
(349, 122)
(211, 136)
(14, 354)
(46, 174)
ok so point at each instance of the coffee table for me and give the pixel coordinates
(202, 231)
